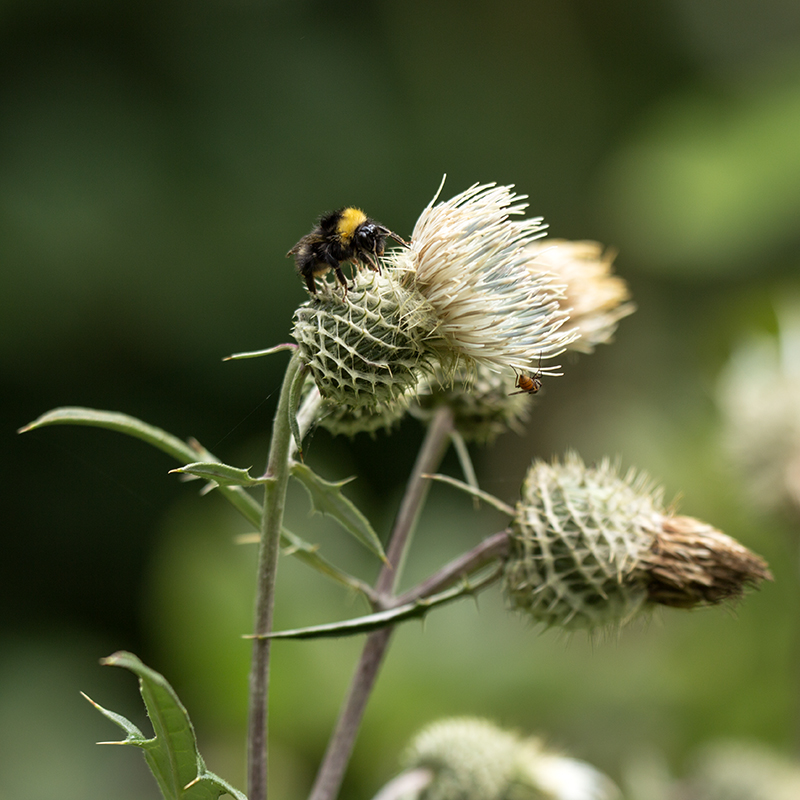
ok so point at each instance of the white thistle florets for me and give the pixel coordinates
(469, 263)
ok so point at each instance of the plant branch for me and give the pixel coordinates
(331, 772)
(431, 453)
(490, 549)
(277, 474)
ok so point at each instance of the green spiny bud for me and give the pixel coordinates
(364, 349)
(483, 401)
(590, 548)
(343, 420)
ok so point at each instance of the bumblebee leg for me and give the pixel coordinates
(341, 277)
(373, 263)
(311, 283)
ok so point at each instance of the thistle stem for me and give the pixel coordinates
(331, 772)
(277, 473)
(490, 549)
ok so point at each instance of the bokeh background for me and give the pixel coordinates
(158, 159)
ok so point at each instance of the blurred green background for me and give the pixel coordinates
(158, 159)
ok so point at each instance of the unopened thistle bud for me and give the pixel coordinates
(345, 420)
(591, 549)
(473, 759)
(595, 298)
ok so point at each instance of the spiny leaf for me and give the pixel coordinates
(220, 474)
(327, 498)
(381, 619)
(181, 451)
(112, 420)
(306, 552)
(172, 753)
(309, 553)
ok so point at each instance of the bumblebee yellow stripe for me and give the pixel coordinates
(351, 218)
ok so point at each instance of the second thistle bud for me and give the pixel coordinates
(590, 548)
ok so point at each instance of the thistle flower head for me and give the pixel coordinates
(595, 298)
(590, 548)
(473, 759)
(469, 263)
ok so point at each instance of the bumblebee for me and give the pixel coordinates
(347, 234)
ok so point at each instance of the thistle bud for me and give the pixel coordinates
(759, 395)
(342, 420)
(590, 548)
(472, 759)
(483, 402)
(365, 349)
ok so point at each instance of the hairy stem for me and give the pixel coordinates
(271, 522)
(331, 772)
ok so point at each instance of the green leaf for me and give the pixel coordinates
(220, 474)
(327, 498)
(172, 753)
(112, 420)
(380, 619)
(184, 452)
(297, 547)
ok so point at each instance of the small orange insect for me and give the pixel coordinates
(529, 384)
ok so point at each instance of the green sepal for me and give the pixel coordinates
(380, 619)
(172, 753)
(220, 474)
(327, 498)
